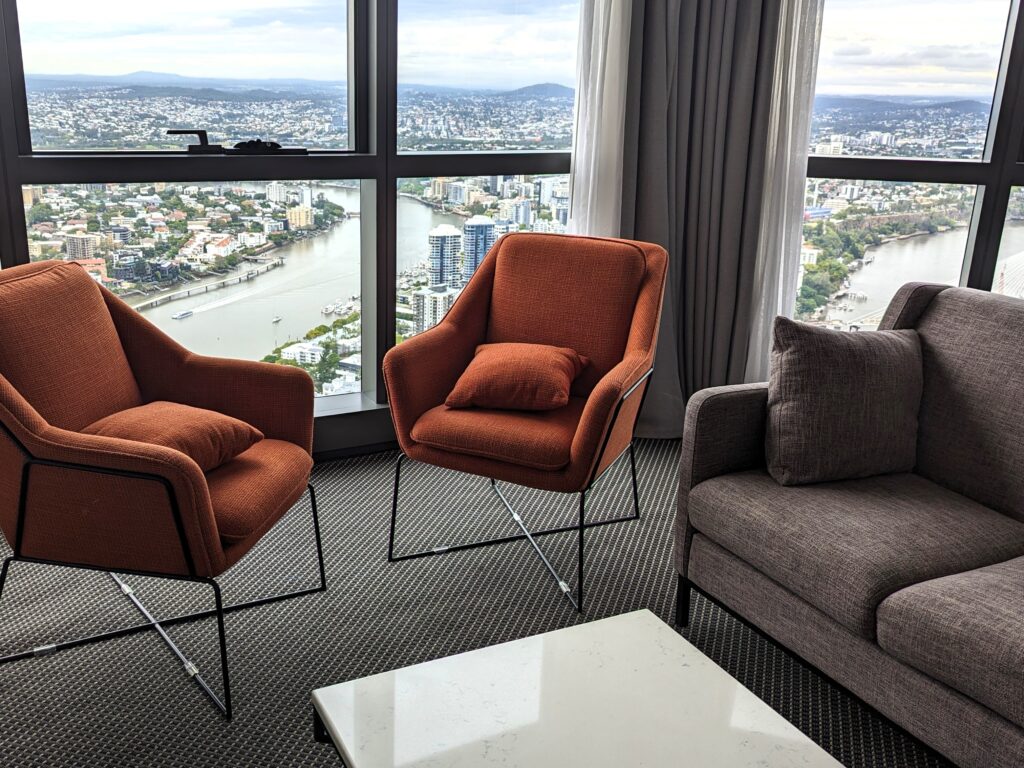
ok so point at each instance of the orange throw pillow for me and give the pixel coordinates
(207, 437)
(520, 377)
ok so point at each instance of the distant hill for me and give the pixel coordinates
(164, 80)
(874, 104)
(542, 91)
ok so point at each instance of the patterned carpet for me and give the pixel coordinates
(128, 703)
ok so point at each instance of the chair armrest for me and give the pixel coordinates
(600, 411)
(421, 371)
(104, 501)
(723, 432)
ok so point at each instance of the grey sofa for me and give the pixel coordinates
(906, 589)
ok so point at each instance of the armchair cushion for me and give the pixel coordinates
(254, 490)
(522, 377)
(536, 439)
(841, 405)
(207, 437)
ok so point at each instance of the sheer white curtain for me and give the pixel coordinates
(782, 209)
(601, 77)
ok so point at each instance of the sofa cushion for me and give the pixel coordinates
(537, 439)
(522, 377)
(965, 630)
(59, 346)
(207, 437)
(841, 405)
(844, 547)
(971, 432)
(252, 491)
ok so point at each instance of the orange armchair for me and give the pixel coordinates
(71, 353)
(600, 297)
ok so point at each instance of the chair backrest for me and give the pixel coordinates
(566, 291)
(58, 345)
(971, 424)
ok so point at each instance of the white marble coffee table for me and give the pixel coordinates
(627, 692)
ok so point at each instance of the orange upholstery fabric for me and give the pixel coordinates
(252, 491)
(207, 437)
(60, 349)
(575, 292)
(82, 514)
(525, 377)
(538, 439)
(420, 372)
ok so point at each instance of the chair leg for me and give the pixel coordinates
(579, 564)
(3, 574)
(636, 488)
(682, 601)
(160, 625)
(394, 508)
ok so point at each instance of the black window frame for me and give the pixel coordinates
(373, 157)
(1000, 168)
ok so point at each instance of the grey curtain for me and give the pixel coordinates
(697, 116)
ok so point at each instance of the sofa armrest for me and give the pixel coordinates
(723, 432)
(104, 501)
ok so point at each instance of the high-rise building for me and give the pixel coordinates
(300, 217)
(478, 235)
(431, 304)
(277, 192)
(445, 244)
(547, 187)
(81, 245)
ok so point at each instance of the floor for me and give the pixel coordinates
(129, 703)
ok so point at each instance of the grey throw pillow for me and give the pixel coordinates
(841, 404)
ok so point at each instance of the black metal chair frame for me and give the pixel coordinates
(159, 625)
(580, 526)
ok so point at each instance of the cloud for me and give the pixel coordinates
(852, 50)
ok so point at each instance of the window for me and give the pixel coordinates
(486, 76)
(1009, 278)
(251, 270)
(914, 152)
(864, 239)
(904, 88)
(116, 74)
(300, 258)
(446, 225)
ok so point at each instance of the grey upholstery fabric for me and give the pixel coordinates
(844, 547)
(966, 630)
(968, 733)
(841, 405)
(971, 425)
(723, 432)
(909, 303)
(696, 131)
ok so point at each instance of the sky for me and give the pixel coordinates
(895, 47)
(480, 44)
(911, 47)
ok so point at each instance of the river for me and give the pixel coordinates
(934, 258)
(236, 321)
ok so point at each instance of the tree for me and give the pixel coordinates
(326, 369)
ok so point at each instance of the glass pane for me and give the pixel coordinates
(446, 226)
(486, 76)
(907, 78)
(865, 239)
(1009, 278)
(252, 270)
(116, 74)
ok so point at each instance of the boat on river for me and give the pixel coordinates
(182, 315)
